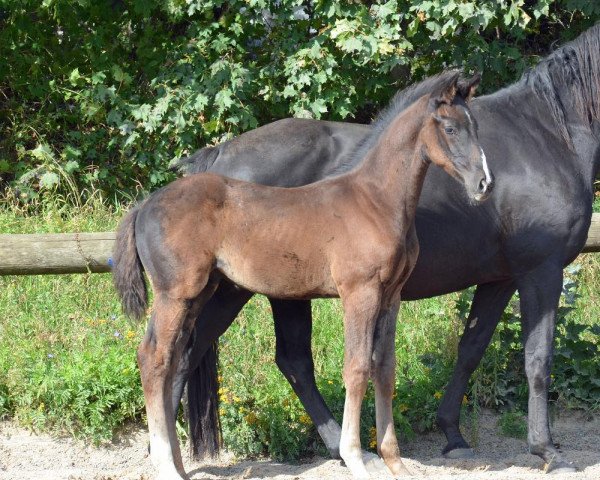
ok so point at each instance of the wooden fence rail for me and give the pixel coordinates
(34, 254)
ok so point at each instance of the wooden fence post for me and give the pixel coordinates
(33, 254)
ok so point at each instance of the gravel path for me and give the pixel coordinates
(25, 456)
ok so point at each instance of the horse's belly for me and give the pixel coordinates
(278, 276)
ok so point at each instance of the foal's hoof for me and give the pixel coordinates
(373, 463)
(559, 466)
(459, 454)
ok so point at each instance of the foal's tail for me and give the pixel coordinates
(203, 405)
(128, 271)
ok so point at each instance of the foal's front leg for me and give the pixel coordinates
(384, 375)
(361, 308)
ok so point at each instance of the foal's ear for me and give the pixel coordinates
(467, 86)
(448, 92)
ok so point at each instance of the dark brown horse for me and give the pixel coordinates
(351, 236)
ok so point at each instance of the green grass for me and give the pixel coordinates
(67, 355)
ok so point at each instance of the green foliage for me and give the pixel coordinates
(67, 357)
(104, 94)
(513, 424)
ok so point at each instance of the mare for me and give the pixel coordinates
(351, 236)
(542, 139)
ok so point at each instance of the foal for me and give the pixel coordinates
(351, 236)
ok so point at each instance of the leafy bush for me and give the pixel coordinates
(102, 94)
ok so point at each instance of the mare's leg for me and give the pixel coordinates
(489, 302)
(158, 355)
(540, 292)
(214, 319)
(384, 378)
(200, 368)
(361, 308)
(293, 328)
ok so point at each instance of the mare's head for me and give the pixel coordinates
(450, 140)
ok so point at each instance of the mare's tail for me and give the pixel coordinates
(128, 271)
(203, 405)
(198, 162)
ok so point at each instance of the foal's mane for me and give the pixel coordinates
(575, 65)
(400, 102)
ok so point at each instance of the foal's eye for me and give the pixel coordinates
(450, 130)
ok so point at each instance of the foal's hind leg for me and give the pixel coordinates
(215, 318)
(384, 376)
(158, 355)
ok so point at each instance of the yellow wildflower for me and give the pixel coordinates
(465, 400)
(251, 418)
(330, 382)
(373, 438)
(305, 419)
(130, 335)
(437, 395)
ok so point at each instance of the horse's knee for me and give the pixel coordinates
(145, 352)
(356, 375)
(152, 360)
(537, 369)
(293, 365)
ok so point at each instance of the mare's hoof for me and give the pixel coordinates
(373, 463)
(559, 466)
(459, 454)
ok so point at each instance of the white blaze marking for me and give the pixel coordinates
(486, 170)
(469, 116)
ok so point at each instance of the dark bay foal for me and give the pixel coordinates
(351, 236)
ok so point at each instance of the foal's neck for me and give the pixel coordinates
(393, 171)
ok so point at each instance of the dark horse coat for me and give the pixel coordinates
(541, 136)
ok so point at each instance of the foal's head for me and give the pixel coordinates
(450, 137)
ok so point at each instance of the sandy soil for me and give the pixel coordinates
(25, 456)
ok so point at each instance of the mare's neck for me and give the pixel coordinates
(585, 137)
(583, 150)
(393, 172)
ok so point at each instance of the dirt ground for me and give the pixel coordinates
(25, 456)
